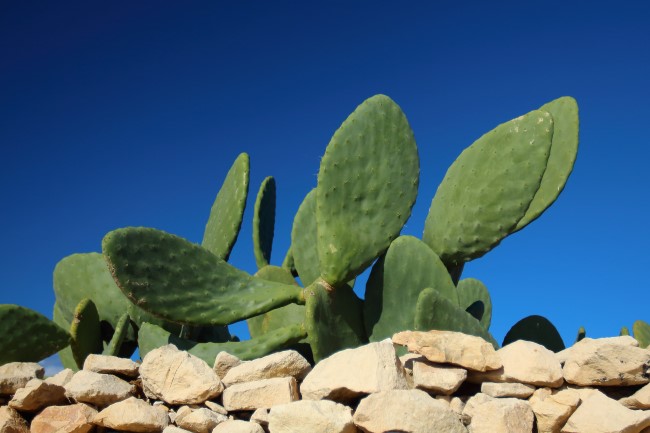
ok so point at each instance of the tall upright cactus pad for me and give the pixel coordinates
(564, 149)
(395, 282)
(488, 189)
(182, 282)
(264, 222)
(65, 354)
(537, 329)
(114, 346)
(227, 212)
(641, 331)
(85, 332)
(28, 336)
(304, 240)
(367, 185)
(470, 291)
(582, 333)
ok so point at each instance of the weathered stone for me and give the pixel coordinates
(224, 362)
(470, 406)
(600, 414)
(280, 364)
(457, 405)
(504, 389)
(174, 429)
(98, 389)
(353, 372)
(15, 375)
(216, 407)
(624, 340)
(553, 408)
(111, 365)
(261, 416)
(449, 347)
(436, 378)
(11, 421)
(411, 411)
(133, 415)
(177, 377)
(237, 426)
(61, 378)
(638, 400)
(201, 420)
(36, 395)
(264, 393)
(75, 418)
(314, 416)
(502, 415)
(593, 362)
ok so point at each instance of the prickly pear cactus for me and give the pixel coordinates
(641, 332)
(537, 329)
(264, 222)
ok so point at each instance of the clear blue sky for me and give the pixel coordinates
(118, 114)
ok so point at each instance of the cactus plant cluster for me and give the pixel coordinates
(149, 287)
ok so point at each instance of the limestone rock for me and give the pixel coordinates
(237, 426)
(264, 393)
(502, 415)
(111, 365)
(470, 407)
(516, 390)
(638, 400)
(201, 420)
(133, 415)
(75, 418)
(600, 414)
(439, 379)
(410, 411)
(321, 416)
(61, 378)
(261, 416)
(280, 364)
(36, 395)
(11, 421)
(353, 372)
(15, 375)
(624, 340)
(594, 362)
(216, 407)
(553, 408)
(174, 429)
(450, 347)
(177, 377)
(224, 362)
(98, 389)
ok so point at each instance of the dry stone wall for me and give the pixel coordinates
(450, 382)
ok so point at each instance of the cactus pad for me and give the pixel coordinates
(470, 291)
(537, 329)
(264, 222)
(641, 332)
(304, 240)
(114, 346)
(85, 332)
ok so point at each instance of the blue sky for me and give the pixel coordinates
(130, 113)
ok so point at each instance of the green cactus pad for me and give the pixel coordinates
(288, 262)
(488, 189)
(582, 333)
(641, 332)
(537, 329)
(152, 337)
(65, 354)
(304, 241)
(395, 282)
(434, 311)
(85, 332)
(114, 346)
(624, 331)
(564, 149)
(227, 212)
(470, 291)
(182, 282)
(264, 222)
(28, 336)
(367, 185)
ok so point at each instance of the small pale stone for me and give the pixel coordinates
(133, 415)
(457, 405)
(174, 429)
(448, 347)
(638, 400)
(281, 364)
(75, 418)
(436, 378)
(15, 375)
(553, 408)
(98, 389)
(260, 393)
(517, 390)
(314, 416)
(199, 420)
(354, 372)
(36, 395)
(502, 415)
(61, 378)
(11, 421)
(624, 340)
(600, 414)
(178, 377)
(216, 407)
(261, 416)
(470, 406)
(111, 365)
(237, 426)
(224, 362)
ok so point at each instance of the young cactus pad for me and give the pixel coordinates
(264, 222)
(537, 329)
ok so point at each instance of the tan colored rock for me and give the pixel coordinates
(237, 426)
(314, 416)
(412, 411)
(264, 393)
(504, 389)
(174, 429)
(624, 340)
(15, 375)
(261, 416)
(553, 408)
(524, 362)
(178, 377)
(638, 400)
(216, 407)
(201, 420)
(11, 421)
(437, 378)
(457, 405)
(600, 414)
(36, 395)
(75, 418)
(98, 389)
(502, 415)
(111, 365)
(353, 372)
(224, 362)
(447, 347)
(133, 415)
(470, 406)
(61, 378)
(598, 363)
(281, 364)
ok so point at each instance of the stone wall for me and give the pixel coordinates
(449, 382)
